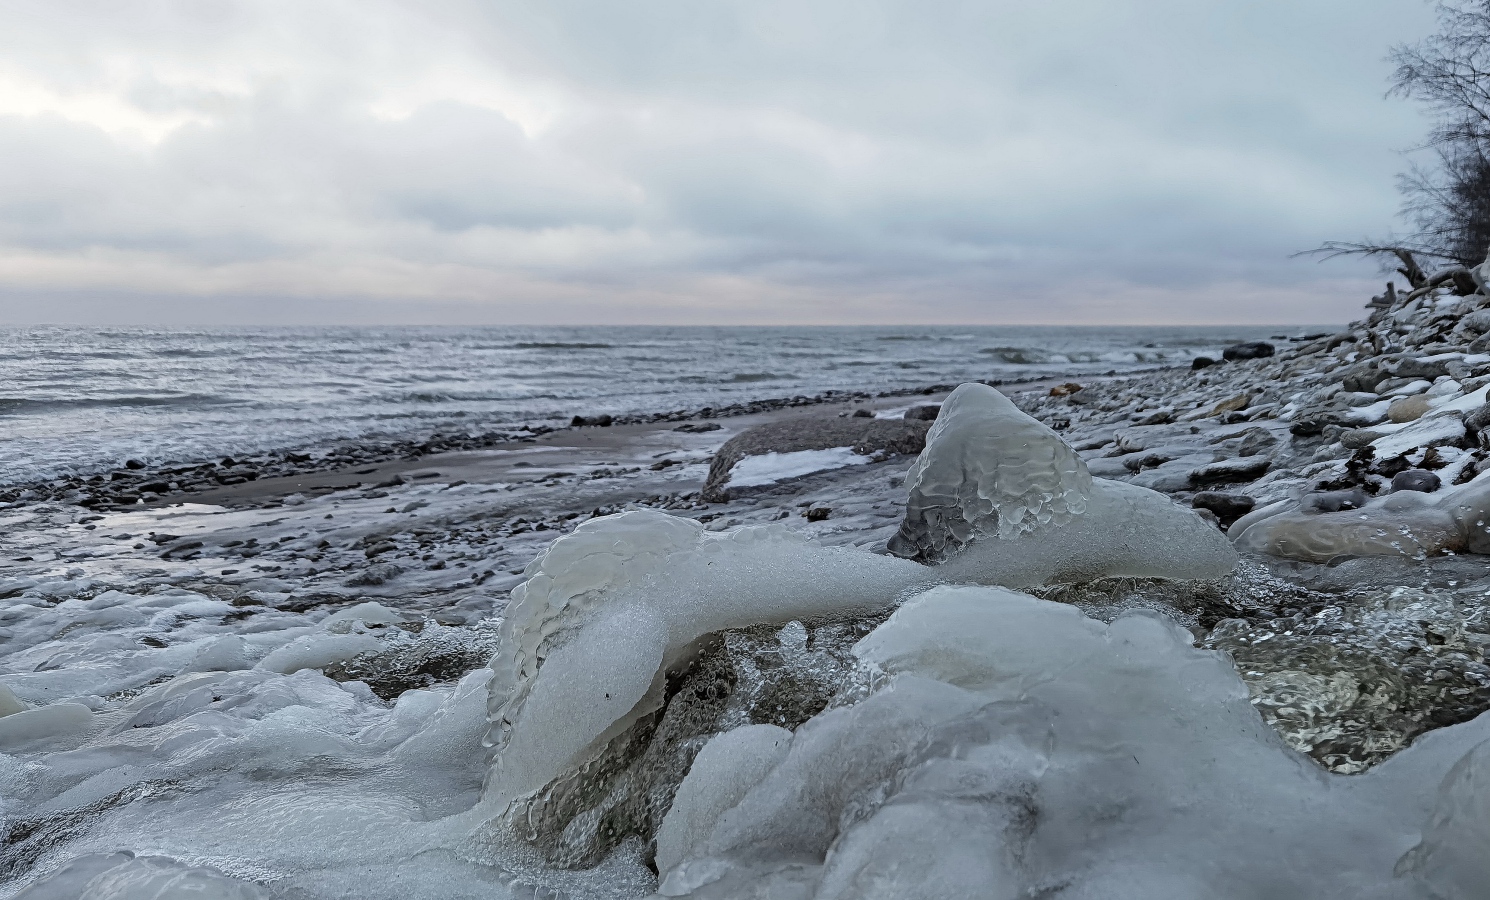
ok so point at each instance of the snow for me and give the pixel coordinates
(769, 468)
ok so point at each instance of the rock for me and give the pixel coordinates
(698, 427)
(1480, 344)
(374, 575)
(603, 420)
(817, 513)
(862, 413)
(924, 413)
(1065, 390)
(1334, 501)
(1356, 438)
(1244, 468)
(1416, 480)
(133, 464)
(1429, 431)
(1408, 409)
(866, 436)
(1477, 322)
(1239, 402)
(1201, 362)
(1227, 508)
(1248, 350)
(1161, 416)
(1412, 367)
(1256, 440)
(1479, 419)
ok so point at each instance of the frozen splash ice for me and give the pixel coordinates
(988, 469)
(610, 610)
(998, 498)
(1018, 749)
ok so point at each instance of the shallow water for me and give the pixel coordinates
(76, 399)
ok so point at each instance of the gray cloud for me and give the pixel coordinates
(671, 161)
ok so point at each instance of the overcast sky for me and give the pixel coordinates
(695, 161)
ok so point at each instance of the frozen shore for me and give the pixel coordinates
(281, 680)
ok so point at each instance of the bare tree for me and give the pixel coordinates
(1450, 73)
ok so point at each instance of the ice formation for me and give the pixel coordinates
(1405, 523)
(998, 498)
(1018, 749)
(1004, 495)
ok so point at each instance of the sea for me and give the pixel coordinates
(84, 399)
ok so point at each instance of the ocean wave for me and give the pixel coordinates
(1018, 356)
(751, 377)
(560, 345)
(30, 406)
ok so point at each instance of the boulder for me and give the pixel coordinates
(1416, 480)
(1201, 362)
(1244, 468)
(1408, 409)
(866, 436)
(1248, 350)
(1227, 508)
(924, 413)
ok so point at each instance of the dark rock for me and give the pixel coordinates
(1417, 368)
(1480, 344)
(862, 413)
(157, 487)
(1307, 427)
(1225, 507)
(866, 436)
(818, 513)
(1248, 350)
(1243, 468)
(1201, 362)
(1416, 480)
(698, 427)
(133, 464)
(1066, 389)
(924, 413)
(603, 420)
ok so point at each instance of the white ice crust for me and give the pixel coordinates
(769, 468)
(1019, 749)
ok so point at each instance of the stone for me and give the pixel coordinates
(698, 427)
(1201, 362)
(1408, 409)
(1244, 468)
(1479, 419)
(1480, 344)
(1334, 501)
(1416, 480)
(862, 413)
(1235, 404)
(133, 464)
(924, 413)
(1065, 390)
(603, 420)
(817, 513)
(1227, 508)
(866, 436)
(1161, 416)
(1411, 367)
(1248, 350)
(1356, 438)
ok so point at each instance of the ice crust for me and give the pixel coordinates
(1406, 523)
(1018, 749)
(988, 469)
(645, 587)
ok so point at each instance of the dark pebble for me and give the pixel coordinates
(1248, 350)
(1416, 480)
(1226, 507)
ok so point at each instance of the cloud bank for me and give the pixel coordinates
(739, 161)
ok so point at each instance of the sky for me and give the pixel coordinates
(201, 162)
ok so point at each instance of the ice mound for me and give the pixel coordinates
(988, 469)
(124, 876)
(998, 498)
(609, 609)
(1016, 748)
(1406, 523)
